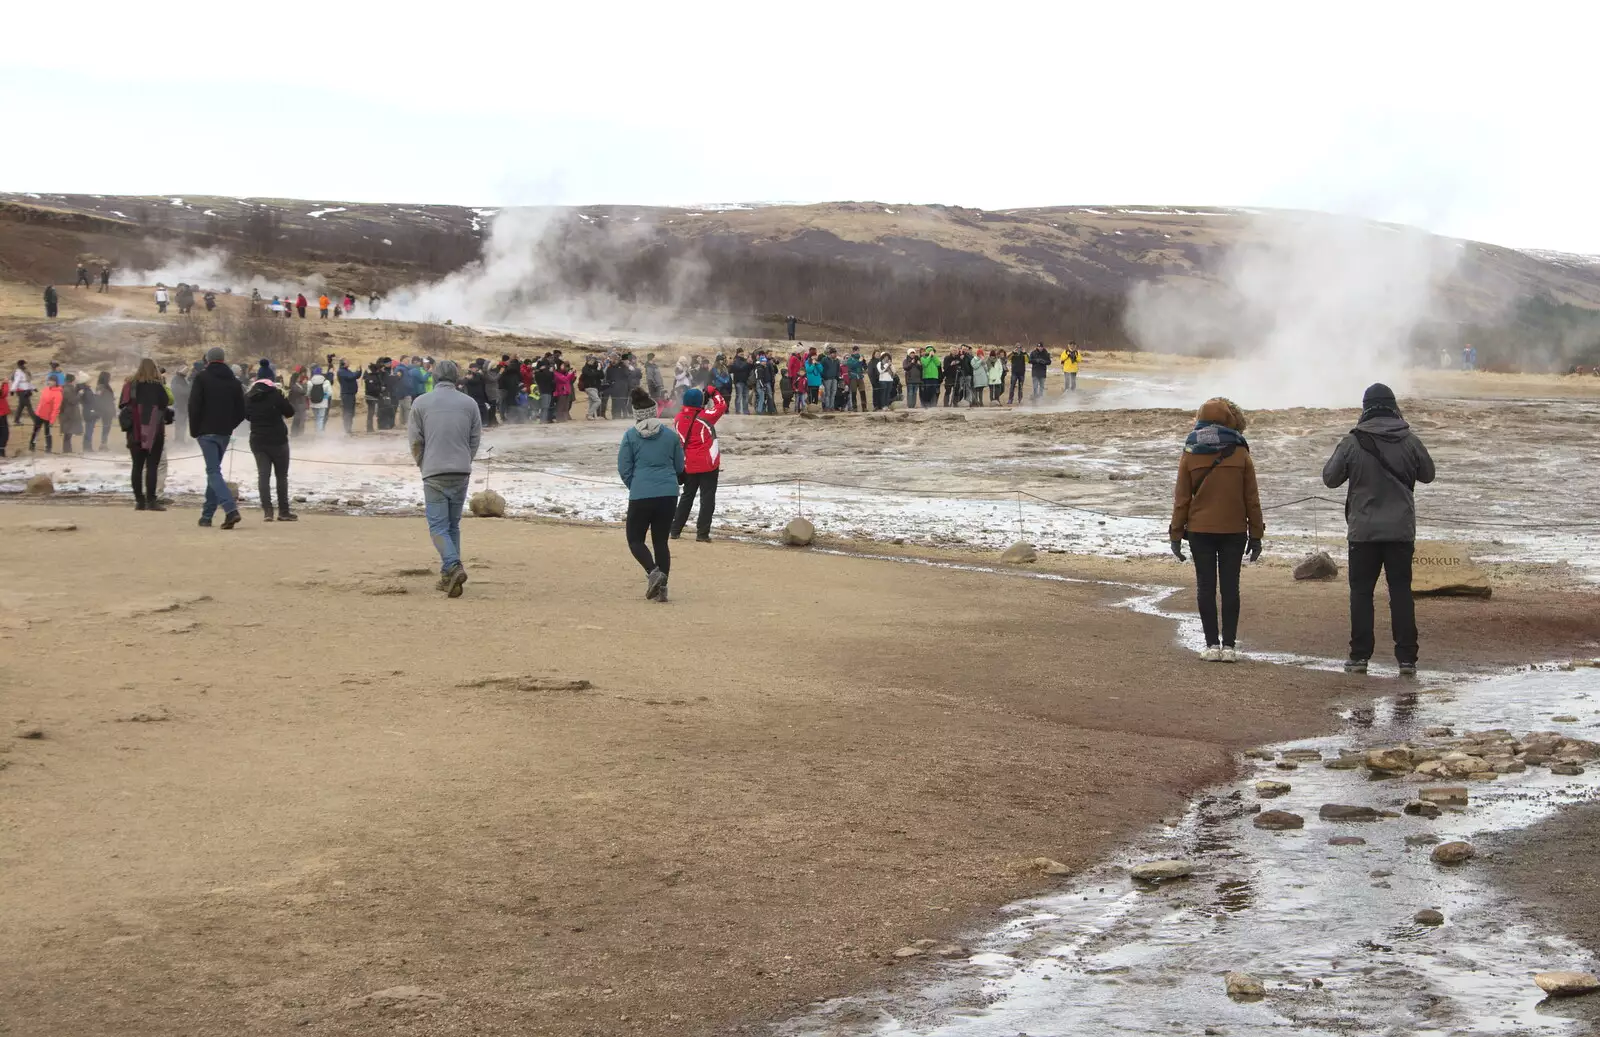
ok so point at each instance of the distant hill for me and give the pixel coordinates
(880, 269)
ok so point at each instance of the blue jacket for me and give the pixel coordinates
(349, 383)
(650, 460)
(416, 380)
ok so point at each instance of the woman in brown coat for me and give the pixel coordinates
(1215, 506)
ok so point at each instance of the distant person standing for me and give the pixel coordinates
(83, 278)
(105, 278)
(300, 304)
(791, 323)
(266, 407)
(1069, 367)
(22, 386)
(1039, 361)
(45, 417)
(1019, 374)
(179, 390)
(444, 429)
(322, 305)
(696, 426)
(216, 408)
(51, 301)
(161, 298)
(145, 399)
(210, 300)
(349, 390)
(1382, 461)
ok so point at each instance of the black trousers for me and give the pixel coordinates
(651, 515)
(1218, 558)
(146, 465)
(372, 411)
(25, 403)
(347, 409)
(705, 484)
(1393, 557)
(269, 459)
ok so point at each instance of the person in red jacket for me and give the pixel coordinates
(702, 458)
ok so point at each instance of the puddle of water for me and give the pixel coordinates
(1329, 929)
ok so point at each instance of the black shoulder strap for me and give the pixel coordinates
(1365, 439)
(1222, 456)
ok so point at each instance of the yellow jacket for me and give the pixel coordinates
(1068, 363)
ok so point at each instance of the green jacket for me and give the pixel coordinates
(930, 368)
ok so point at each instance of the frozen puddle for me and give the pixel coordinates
(1328, 928)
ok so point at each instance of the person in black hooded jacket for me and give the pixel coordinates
(266, 407)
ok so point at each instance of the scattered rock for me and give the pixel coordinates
(298, 499)
(40, 485)
(157, 606)
(1423, 808)
(1318, 566)
(1346, 762)
(1260, 754)
(33, 731)
(1566, 769)
(1278, 820)
(1019, 553)
(1453, 853)
(395, 997)
(1038, 866)
(526, 682)
(1389, 761)
(1287, 765)
(1446, 570)
(1244, 987)
(1269, 789)
(233, 488)
(1567, 984)
(1161, 871)
(1303, 755)
(799, 533)
(1347, 840)
(53, 527)
(1428, 916)
(1337, 812)
(487, 504)
(1445, 795)
(355, 502)
(416, 570)
(153, 715)
(904, 952)
(1565, 718)
(949, 950)
(1425, 839)
(1437, 732)
(381, 589)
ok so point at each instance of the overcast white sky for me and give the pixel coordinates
(1470, 120)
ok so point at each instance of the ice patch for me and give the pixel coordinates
(320, 213)
(386, 241)
(178, 203)
(1097, 212)
(891, 212)
(32, 195)
(123, 215)
(208, 212)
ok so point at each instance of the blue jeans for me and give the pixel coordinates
(763, 398)
(741, 398)
(1038, 385)
(217, 494)
(321, 415)
(830, 393)
(442, 499)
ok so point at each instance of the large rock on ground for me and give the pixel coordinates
(1019, 553)
(1389, 761)
(1340, 812)
(1317, 566)
(1162, 871)
(1244, 987)
(1453, 853)
(1567, 984)
(487, 504)
(799, 533)
(1278, 820)
(40, 485)
(1447, 570)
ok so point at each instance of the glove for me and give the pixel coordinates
(1177, 550)
(1254, 548)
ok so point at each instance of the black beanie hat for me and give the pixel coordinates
(1378, 395)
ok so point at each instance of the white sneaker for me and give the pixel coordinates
(1230, 655)
(1212, 654)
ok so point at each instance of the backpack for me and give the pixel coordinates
(317, 392)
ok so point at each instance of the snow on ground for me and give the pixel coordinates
(177, 203)
(123, 215)
(320, 213)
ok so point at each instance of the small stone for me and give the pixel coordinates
(1260, 754)
(1565, 718)
(1453, 853)
(1346, 762)
(1347, 840)
(1437, 732)
(355, 502)
(487, 504)
(1567, 984)
(1269, 789)
(1278, 820)
(54, 527)
(909, 952)
(1338, 812)
(1428, 916)
(392, 996)
(40, 485)
(1302, 755)
(1425, 839)
(949, 950)
(32, 731)
(799, 533)
(1445, 795)
(1423, 808)
(1039, 866)
(1389, 761)
(1317, 566)
(1287, 765)
(1567, 769)
(1244, 987)
(1019, 553)
(1161, 871)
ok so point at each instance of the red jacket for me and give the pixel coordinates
(797, 371)
(696, 428)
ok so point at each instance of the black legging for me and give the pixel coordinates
(1218, 555)
(655, 515)
(272, 457)
(705, 483)
(146, 466)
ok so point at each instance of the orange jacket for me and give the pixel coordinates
(49, 405)
(323, 302)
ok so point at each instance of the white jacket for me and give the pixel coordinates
(161, 295)
(20, 382)
(327, 392)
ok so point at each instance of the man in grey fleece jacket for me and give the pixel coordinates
(1383, 462)
(445, 429)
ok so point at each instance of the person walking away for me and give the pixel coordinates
(696, 425)
(1039, 360)
(621, 388)
(1069, 367)
(161, 298)
(300, 304)
(323, 303)
(45, 416)
(51, 301)
(349, 389)
(145, 416)
(211, 301)
(319, 394)
(1217, 508)
(105, 405)
(651, 462)
(83, 278)
(105, 278)
(180, 403)
(1383, 461)
(216, 408)
(445, 428)
(589, 381)
(266, 407)
(22, 386)
(70, 420)
(1019, 375)
(185, 299)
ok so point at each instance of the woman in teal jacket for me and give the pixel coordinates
(650, 462)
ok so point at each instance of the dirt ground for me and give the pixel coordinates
(280, 777)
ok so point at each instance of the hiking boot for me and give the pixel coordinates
(661, 595)
(457, 581)
(205, 523)
(138, 505)
(677, 536)
(232, 519)
(1230, 654)
(444, 580)
(1212, 654)
(155, 506)
(266, 516)
(703, 538)
(1355, 666)
(655, 582)
(1408, 669)
(288, 516)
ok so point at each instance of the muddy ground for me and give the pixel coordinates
(280, 777)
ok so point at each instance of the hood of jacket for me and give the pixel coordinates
(650, 427)
(1391, 427)
(1219, 410)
